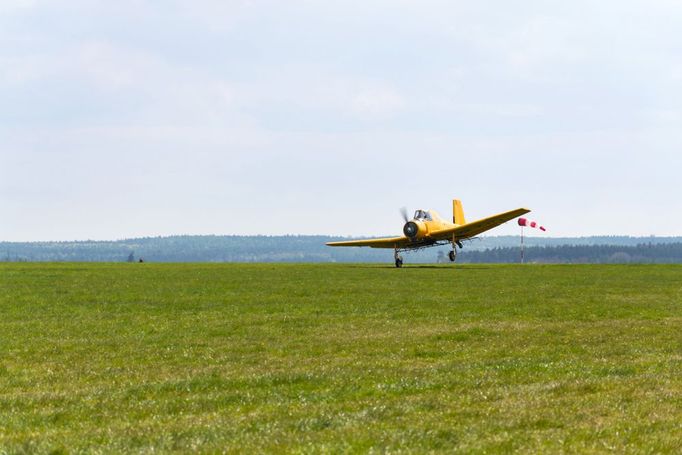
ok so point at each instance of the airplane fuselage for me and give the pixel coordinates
(424, 222)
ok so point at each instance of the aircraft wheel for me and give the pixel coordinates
(452, 256)
(399, 262)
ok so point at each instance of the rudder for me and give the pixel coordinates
(457, 212)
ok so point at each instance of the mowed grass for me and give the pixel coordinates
(340, 358)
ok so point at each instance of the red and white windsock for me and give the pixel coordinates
(525, 222)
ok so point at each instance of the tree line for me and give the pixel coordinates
(313, 249)
(648, 253)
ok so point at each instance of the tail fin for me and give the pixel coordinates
(457, 212)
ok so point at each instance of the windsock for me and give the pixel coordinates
(533, 224)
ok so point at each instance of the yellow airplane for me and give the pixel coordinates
(428, 229)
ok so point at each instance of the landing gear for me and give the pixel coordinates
(398, 258)
(452, 255)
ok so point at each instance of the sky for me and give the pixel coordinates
(145, 118)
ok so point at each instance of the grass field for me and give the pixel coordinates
(340, 358)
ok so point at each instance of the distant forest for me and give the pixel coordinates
(501, 249)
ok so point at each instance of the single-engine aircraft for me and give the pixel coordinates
(427, 229)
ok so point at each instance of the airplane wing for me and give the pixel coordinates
(476, 227)
(388, 242)
(461, 232)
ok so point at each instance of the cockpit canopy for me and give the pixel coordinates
(422, 215)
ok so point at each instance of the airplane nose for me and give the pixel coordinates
(410, 229)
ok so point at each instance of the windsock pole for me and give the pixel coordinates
(522, 245)
(524, 222)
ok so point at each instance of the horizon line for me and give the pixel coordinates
(328, 235)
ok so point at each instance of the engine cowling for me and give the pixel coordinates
(414, 229)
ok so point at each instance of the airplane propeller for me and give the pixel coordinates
(410, 228)
(403, 212)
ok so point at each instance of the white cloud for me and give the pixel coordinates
(378, 102)
(12, 6)
(262, 106)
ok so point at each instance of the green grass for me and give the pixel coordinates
(340, 358)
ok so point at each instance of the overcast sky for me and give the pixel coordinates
(141, 118)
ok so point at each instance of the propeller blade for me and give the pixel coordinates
(403, 212)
